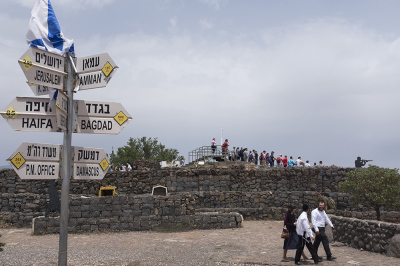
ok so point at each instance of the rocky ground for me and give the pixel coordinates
(257, 243)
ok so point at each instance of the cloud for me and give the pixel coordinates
(206, 24)
(216, 4)
(70, 4)
(324, 89)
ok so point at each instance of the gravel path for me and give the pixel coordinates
(257, 243)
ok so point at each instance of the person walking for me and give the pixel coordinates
(290, 223)
(318, 220)
(304, 235)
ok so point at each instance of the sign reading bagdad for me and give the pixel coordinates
(101, 117)
(36, 161)
(43, 68)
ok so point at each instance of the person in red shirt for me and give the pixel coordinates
(225, 147)
(284, 161)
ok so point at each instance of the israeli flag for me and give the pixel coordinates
(44, 31)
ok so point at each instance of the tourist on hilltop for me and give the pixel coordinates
(321, 164)
(279, 160)
(299, 162)
(307, 164)
(213, 145)
(256, 157)
(291, 162)
(319, 219)
(225, 146)
(271, 159)
(304, 235)
(315, 165)
(128, 167)
(246, 154)
(262, 158)
(251, 157)
(290, 223)
(232, 154)
(237, 154)
(285, 161)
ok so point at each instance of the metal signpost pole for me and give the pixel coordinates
(66, 169)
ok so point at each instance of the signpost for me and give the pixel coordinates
(101, 117)
(36, 161)
(45, 70)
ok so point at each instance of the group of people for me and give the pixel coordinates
(264, 158)
(123, 167)
(300, 233)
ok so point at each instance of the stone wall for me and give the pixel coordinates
(135, 213)
(255, 193)
(370, 235)
(207, 178)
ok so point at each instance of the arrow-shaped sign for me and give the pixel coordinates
(36, 161)
(43, 68)
(101, 117)
(35, 114)
(89, 163)
(95, 71)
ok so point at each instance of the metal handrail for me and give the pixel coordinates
(205, 153)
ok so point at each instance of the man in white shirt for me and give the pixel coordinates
(319, 219)
(305, 235)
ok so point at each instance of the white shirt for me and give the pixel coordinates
(307, 165)
(319, 219)
(303, 225)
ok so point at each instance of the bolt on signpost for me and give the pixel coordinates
(45, 70)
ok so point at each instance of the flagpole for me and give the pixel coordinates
(66, 169)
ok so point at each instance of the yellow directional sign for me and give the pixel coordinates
(18, 160)
(107, 69)
(11, 113)
(120, 118)
(104, 164)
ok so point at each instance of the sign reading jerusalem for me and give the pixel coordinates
(101, 117)
(43, 68)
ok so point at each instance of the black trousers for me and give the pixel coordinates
(300, 247)
(325, 242)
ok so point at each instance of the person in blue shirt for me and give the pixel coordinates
(291, 162)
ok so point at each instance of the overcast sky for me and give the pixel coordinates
(317, 79)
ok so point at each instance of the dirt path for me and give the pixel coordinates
(257, 243)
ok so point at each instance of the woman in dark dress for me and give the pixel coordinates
(290, 223)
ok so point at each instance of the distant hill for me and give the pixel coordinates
(5, 166)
